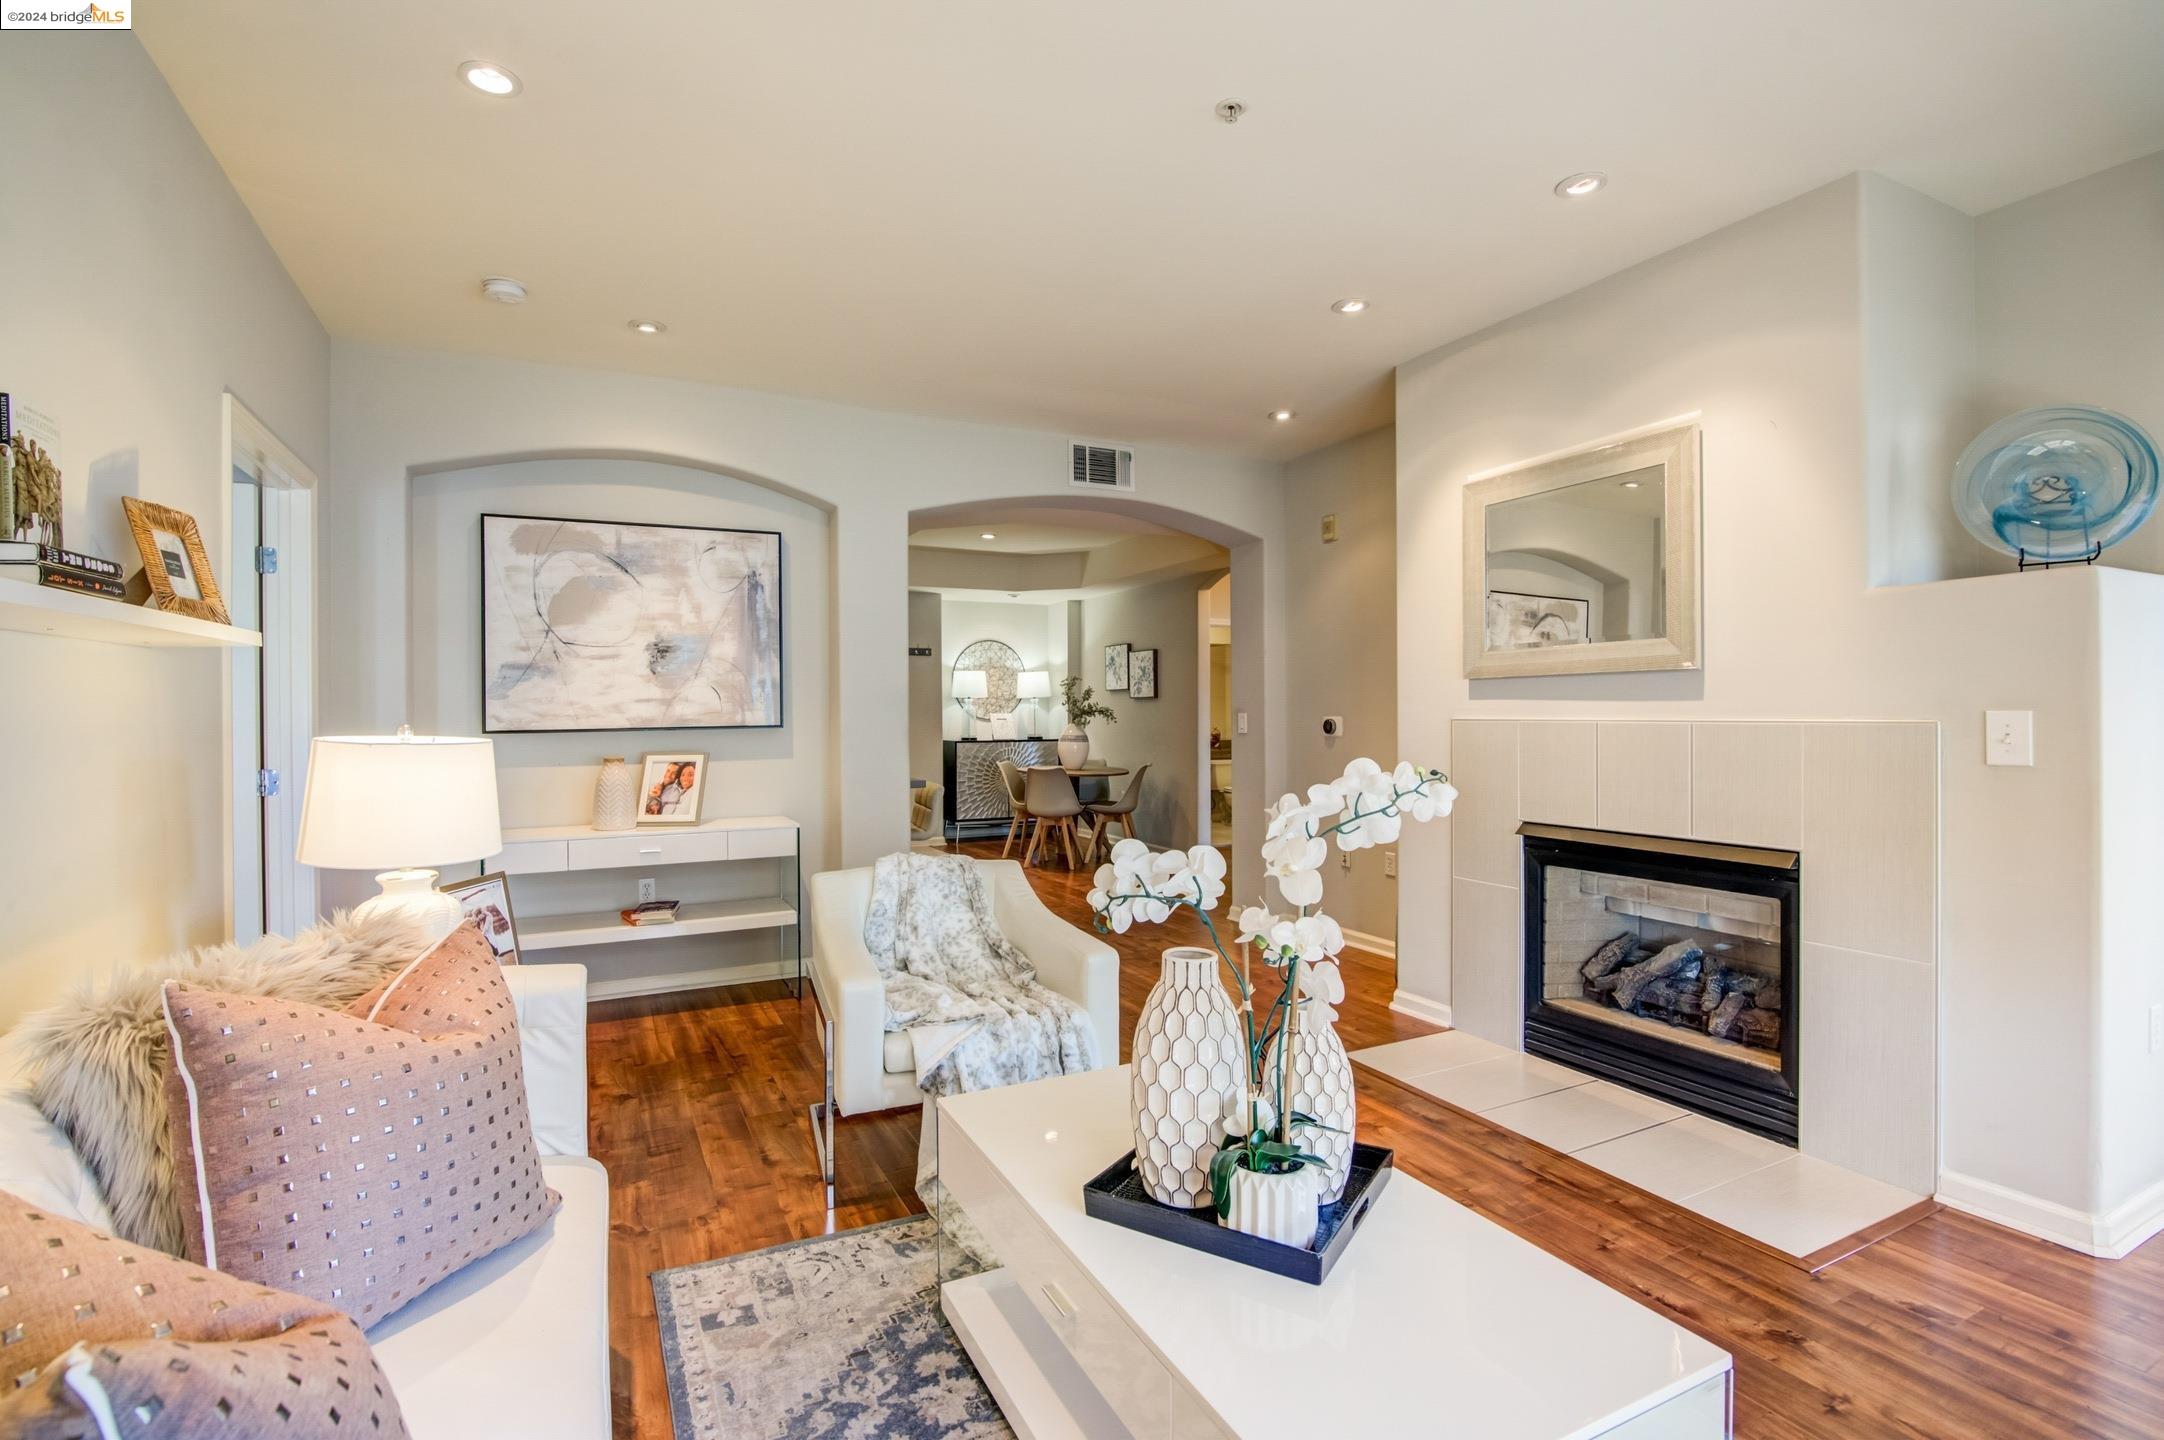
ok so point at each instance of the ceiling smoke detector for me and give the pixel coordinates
(1230, 111)
(503, 290)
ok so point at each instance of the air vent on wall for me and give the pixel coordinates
(1100, 467)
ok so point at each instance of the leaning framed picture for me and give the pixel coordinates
(670, 789)
(1116, 666)
(607, 625)
(1142, 675)
(175, 564)
(487, 898)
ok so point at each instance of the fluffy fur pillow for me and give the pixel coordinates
(169, 1349)
(99, 1057)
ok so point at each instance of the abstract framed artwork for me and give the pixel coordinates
(1524, 622)
(1116, 667)
(602, 625)
(1142, 674)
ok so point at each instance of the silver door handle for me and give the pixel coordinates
(1059, 1300)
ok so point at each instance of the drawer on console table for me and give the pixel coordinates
(649, 847)
(761, 844)
(1124, 1371)
(531, 857)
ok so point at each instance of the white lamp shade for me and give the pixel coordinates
(1033, 685)
(381, 802)
(970, 685)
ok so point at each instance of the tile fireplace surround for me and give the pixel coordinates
(1858, 799)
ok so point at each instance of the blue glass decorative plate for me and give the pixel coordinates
(2058, 484)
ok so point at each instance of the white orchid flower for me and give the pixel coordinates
(1206, 876)
(1255, 925)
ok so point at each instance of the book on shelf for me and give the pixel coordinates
(61, 578)
(30, 552)
(651, 912)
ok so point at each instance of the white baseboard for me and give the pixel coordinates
(674, 980)
(1420, 1007)
(2109, 1236)
(1373, 944)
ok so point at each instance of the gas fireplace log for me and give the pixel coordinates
(1759, 1027)
(1610, 956)
(1724, 1024)
(1660, 967)
(1676, 998)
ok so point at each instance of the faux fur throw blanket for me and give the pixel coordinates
(98, 1058)
(970, 1002)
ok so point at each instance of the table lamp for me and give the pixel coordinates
(1033, 686)
(970, 685)
(401, 805)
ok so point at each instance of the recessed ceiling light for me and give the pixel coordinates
(1580, 185)
(649, 327)
(1281, 415)
(1350, 307)
(503, 290)
(1630, 484)
(489, 79)
(987, 535)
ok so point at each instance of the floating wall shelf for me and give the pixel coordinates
(42, 610)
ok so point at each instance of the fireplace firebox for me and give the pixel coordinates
(1669, 966)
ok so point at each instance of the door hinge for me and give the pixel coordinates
(266, 560)
(266, 783)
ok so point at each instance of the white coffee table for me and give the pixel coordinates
(1435, 1322)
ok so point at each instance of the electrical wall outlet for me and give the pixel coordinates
(647, 891)
(1390, 864)
(2009, 737)
(2156, 1028)
(1344, 861)
(1329, 529)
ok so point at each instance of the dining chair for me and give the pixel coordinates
(1120, 812)
(1053, 805)
(1010, 775)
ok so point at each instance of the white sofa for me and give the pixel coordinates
(869, 1069)
(515, 1344)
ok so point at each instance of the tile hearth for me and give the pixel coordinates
(1784, 1200)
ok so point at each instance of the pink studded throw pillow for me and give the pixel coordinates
(93, 1327)
(356, 1156)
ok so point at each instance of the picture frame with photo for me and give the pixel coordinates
(175, 564)
(487, 898)
(1142, 675)
(671, 788)
(1116, 666)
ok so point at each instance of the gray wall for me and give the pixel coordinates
(139, 289)
(1341, 622)
(1163, 733)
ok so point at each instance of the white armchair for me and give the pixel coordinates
(868, 1069)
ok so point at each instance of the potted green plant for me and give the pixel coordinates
(1082, 707)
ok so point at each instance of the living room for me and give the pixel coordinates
(535, 485)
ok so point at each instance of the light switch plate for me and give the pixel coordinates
(1239, 723)
(2009, 737)
(1329, 529)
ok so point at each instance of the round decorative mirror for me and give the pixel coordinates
(1001, 663)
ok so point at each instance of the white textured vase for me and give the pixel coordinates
(1074, 749)
(1283, 1208)
(616, 795)
(1321, 1085)
(1189, 1068)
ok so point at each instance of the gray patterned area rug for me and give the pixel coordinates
(837, 1336)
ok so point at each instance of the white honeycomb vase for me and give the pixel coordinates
(1190, 1065)
(1321, 1085)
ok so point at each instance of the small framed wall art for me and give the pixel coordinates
(1142, 675)
(670, 789)
(1116, 666)
(175, 565)
(487, 898)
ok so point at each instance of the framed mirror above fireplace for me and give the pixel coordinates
(1668, 966)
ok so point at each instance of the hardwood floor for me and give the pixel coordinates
(1952, 1328)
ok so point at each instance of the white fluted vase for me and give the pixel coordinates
(1189, 1073)
(1321, 1085)
(1284, 1208)
(616, 795)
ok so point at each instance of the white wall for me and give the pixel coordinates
(1165, 733)
(138, 289)
(927, 682)
(1342, 624)
(1759, 326)
(1038, 634)
(395, 411)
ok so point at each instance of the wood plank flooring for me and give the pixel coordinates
(1952, 1328)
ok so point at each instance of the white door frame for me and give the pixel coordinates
(288, 489)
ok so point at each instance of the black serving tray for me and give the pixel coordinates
(1116, 1195)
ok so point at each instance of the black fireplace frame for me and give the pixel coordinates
(1756, 1097)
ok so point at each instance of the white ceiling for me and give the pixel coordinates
(1036, 531)
(1026, 213)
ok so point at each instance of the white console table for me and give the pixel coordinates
(562, 849)
(1434, 1322)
